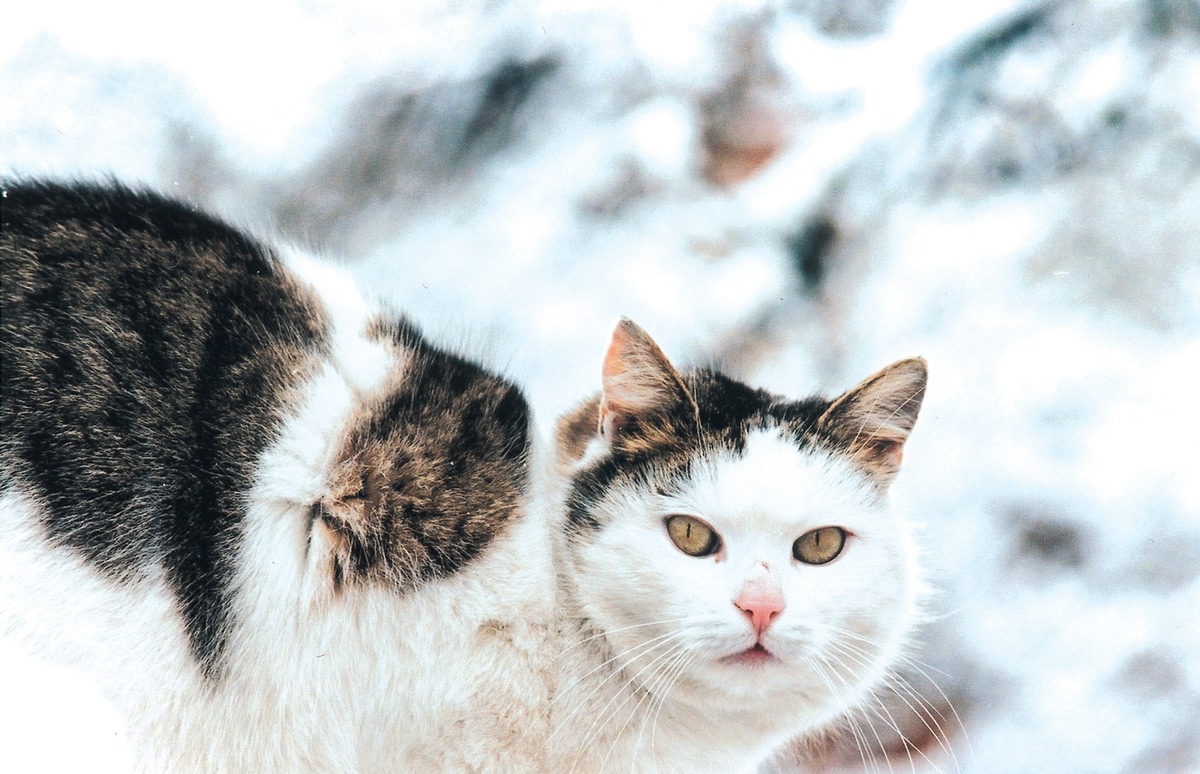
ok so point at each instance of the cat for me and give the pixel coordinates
(728, 559)
(283, 531)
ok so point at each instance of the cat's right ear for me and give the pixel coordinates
(872, 421)
(641, 389)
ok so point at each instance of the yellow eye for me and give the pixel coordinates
(819, 546)
(692, 536)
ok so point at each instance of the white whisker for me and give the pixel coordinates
(924, 711)
(881, 747)
(659, 689)
(887, 718)
(686, 664)
(604, 712)
(860, 741)
(650, 695)
(921, 668)
(647, 644)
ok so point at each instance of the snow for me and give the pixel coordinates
(1010, 189)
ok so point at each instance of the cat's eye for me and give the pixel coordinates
(692, 536)
(819, 546)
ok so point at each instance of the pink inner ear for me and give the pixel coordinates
(611, 421)
(615, 405)
(614, 366)
(638, 380)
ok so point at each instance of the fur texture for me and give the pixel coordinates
(283, 532)
(255, 510)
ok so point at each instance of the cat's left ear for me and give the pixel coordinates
(644, 398)
(873, 420)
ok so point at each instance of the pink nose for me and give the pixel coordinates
(761, 600)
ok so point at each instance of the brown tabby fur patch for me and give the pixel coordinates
(431, 474)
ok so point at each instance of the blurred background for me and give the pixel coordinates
(799, 192)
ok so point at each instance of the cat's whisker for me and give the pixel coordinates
(921, 668)
(648, 644)
(616, 630)
(860, 738)
(633, 688)
(685, 665)
(885, 716)
(647, 694)
(860, 741)
(907, 658)
(899, 680)
(932, 718)
(860, 657)
(657, 691)
(876, 706)
(634, 653)
(630, 690)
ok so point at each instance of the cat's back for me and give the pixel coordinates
(147, 349)
(132, 326)
(280, 528)
(157, 264)
(107, 289)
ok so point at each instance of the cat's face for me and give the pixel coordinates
(752, 558)
(826, 624)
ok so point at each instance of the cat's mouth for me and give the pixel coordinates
(757, 654)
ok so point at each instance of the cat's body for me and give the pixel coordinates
(284, 533)
(191, 437)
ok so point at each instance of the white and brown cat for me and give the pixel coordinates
(283, 532)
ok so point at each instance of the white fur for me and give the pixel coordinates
(365, 681)
(64, 611)
(362, 363)
(480, 671)
(494, 667)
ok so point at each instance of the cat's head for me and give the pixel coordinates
(734, 544)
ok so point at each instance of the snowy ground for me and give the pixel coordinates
(801, 191)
